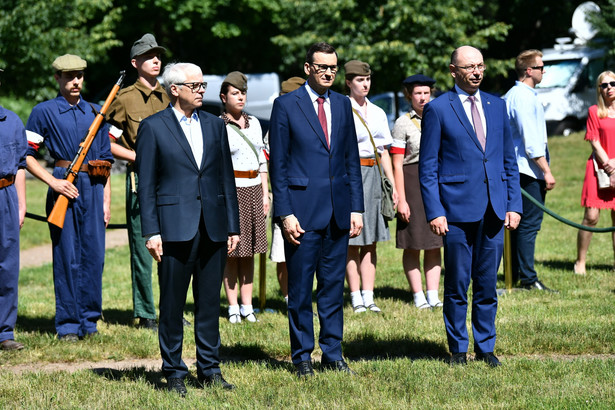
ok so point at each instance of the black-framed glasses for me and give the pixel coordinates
(322, 68)
(539, 67)
(471, 68)
(195, 86)
(604, 86)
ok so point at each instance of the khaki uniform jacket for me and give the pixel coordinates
(132, 105)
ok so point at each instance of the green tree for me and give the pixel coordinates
(34, 33)
(396, 37)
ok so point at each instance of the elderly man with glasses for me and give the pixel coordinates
(189, 217)
(470, 187)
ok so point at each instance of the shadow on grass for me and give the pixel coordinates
(569, 266)
(387, 292)
(36, 324)
(154, 378)
(368, 347)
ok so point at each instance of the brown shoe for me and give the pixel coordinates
(11, 345)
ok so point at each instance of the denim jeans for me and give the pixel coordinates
(523, 239)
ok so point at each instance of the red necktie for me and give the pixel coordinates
(322, 117)
(478, 124)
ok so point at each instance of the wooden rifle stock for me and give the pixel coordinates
(58, 213)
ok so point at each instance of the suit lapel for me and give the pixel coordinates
(307, 107)
(176, 131)
(463, 117)
(208, 140)
(489, 119)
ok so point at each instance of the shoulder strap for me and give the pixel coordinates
(242, 135)
(370, 138)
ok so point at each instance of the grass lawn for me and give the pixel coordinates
(558, 350)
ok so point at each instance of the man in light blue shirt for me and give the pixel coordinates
(529, 133)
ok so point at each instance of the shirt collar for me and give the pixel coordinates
(314, 95)
(464, 95)
(182, 118)
(145, 90)
(64, 106)
(522, 84)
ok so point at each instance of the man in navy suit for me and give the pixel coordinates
(189, 217)
(470, 187)
(318, 194)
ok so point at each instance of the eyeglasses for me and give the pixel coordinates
(195, 87)
(322, 68)
(472, 68)
(539, 67)
(604, 86)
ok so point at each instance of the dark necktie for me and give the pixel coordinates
(322, 118)
(478, 124)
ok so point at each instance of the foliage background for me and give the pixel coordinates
(397, 37)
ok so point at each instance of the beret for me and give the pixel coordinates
(238, 80)
(144, 45)
(69, 62)
(356, 67)
(419, 79)
(292, 84)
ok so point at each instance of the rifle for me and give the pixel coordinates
(58, 213)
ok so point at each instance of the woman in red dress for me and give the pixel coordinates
(601, 135)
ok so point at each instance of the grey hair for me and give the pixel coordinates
(175, 73)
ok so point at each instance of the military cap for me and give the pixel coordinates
(69, 62)
(144, 45)
(1, 70)
(419, 79)
(237, 79)
(292, 84)
(356, 67)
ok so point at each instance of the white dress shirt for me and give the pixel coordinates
(193, 133)
(467, 104)
(327, 106)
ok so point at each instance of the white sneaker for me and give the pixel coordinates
(250, 318)
(359, 309)
(437, 304)
(234, 318)
(374, 308)
(424, 306)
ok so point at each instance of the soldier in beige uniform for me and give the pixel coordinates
(133, 104)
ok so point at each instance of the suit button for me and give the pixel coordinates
(485, 160)
(332, 178)
(485, 181)
(198, 197)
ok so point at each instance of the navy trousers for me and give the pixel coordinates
(523, 239)
(322, 252)
(78, 258)
(9, 261)
(203, 261)
(472, 251)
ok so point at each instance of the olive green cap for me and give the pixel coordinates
(69, 62)
(356, 67)
(238, 80)
(144, 45)
(292, 84)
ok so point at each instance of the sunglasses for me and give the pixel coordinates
(604, 86)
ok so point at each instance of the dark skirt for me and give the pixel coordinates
(415, 234)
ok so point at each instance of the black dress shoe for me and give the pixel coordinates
(175, 384)
(339, 366)
(69, 337)
(458, 358)
(214, 380)
(488, 358)
(538, 285)
(185, 322)
(149, 324)
(304, 369)
(11, 345)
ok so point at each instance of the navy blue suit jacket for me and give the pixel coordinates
(309, 179)
(174, 191)
(458, 179)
